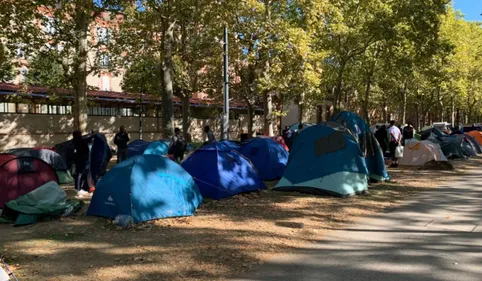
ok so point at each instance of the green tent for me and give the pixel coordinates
(46, 202)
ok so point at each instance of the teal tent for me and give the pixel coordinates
(325, 159)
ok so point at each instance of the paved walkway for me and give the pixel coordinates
(436, 236)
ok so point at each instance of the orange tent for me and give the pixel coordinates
(477, 135)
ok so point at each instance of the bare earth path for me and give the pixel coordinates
(232, 236)
(436, 236)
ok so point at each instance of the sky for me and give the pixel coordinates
(470, 8)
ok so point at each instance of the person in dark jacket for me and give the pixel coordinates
(177, 146)
(81, 157)
(382, 137)
(408, 132)
(121, 139)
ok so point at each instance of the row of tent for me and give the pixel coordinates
(334, 157)
(456, 146)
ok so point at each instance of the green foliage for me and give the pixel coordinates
(6, 65)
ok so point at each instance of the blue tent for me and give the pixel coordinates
(145, 187)
(325, 158)
(157, 148)
(223, 145)
(267, 156)
(137, 147)
(294, 127)
(368, 143)
(221, 172)
(189, 147)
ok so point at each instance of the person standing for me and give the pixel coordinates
(209, 135)
(121, 139)
(81, 157)
(178, 146)
(395, 141)
(408, 132)
(382, 137)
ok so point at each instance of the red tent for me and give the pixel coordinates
(20, 175)
(280, 140)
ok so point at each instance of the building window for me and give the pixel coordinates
(23, 74)
(103, 35)
(41, 109)
(49, 25)
(7, 107)
(21, 51)
(24, 108)
(105, 83)
(104, 60)
(53, 109)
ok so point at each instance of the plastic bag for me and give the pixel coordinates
(399, 152)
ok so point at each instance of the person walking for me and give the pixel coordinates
(382, 137)
(121, 139)
(178, 146)
(395, 141)
(209, 135)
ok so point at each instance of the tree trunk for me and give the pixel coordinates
(80, 108)
(267, 98)
(452, 113)
(301, 108)
(167, 95)
(268, 114)
(186, 113)
(338, 88)
(404, 103)
(367, 98)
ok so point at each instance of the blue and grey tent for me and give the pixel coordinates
(221, 172)
(325, 159)
(223, 145)
(369, 145)
(137, 147)
(268, 157)
(145, 187)
(157, 148)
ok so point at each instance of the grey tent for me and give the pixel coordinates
(474, 142)
(50, 157)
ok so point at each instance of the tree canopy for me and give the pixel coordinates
(415, 60)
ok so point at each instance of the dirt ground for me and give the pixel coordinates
(223, 238)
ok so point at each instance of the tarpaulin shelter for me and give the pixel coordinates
(45, 202)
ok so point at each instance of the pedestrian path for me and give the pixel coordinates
(436, 236)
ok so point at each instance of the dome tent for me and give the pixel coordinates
(156, 148)
(267, 156)
(223, 145)
(220, 172)
(145, 187)
(325, 158)
(369, 146)
(50, 157)
(137, 147)
(418, 153)
(20, 175)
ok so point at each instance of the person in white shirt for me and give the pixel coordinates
(395, 141)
